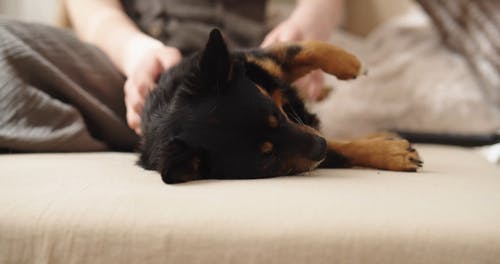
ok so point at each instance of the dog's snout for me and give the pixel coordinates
(319, 150)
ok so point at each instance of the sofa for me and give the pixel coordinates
(102, 208)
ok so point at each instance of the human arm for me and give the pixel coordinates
(138, 56)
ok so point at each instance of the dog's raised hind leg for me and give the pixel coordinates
(290, 61)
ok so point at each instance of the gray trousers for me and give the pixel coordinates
(57, 93)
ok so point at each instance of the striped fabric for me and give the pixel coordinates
(472, 28)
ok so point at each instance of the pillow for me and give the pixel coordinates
(471, 28)
(415, 84)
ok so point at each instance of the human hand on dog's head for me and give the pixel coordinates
(147, 60)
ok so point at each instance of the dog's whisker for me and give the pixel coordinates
(296, 116)
(298, 119)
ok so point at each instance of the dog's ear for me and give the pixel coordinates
(180, 162)
(215, 64)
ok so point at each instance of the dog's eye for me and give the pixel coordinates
(266, 148)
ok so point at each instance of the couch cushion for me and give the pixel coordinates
(101, 208)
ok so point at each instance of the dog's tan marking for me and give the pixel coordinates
(278, 99)
(272, 121)
(379, 152)
(312, 55)
(383, 134)
(297, 164)
(262, 90)
(196, 164)
(266, 147)
(267, 64)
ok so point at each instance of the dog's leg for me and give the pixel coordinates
(380, 152)
(291, 61)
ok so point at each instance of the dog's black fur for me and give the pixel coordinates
(208, 119)
(222, 115)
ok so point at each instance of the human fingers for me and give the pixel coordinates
(290, 32)
(316, 85)
(169, 57)
(135, 93)
(311, 85)
(286, 31)
(270, 38)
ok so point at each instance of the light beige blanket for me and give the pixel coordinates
(414, 84)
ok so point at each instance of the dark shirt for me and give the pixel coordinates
(185, 24)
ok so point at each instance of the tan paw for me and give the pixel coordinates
(388, 153)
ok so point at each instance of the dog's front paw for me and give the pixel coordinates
(387, 153)
(391, 153)
(401, 156)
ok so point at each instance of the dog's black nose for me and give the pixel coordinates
(319, 150)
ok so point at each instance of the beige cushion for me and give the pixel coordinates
(101, 208)
(472, 29)
(415, 84)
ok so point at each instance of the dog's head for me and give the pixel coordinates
(210, 118)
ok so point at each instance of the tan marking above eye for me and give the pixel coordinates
(278, 99)
(266, 147)
(272, 121)
(262, 90)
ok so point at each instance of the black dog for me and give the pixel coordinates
(222, 115)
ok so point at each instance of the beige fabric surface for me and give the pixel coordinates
(101, 208)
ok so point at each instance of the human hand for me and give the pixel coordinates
(291, 30)
(286, 31)
(311, 20)
(146, 60)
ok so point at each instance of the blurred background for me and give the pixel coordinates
(45, 11)
(434, 64)
(361, 17)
